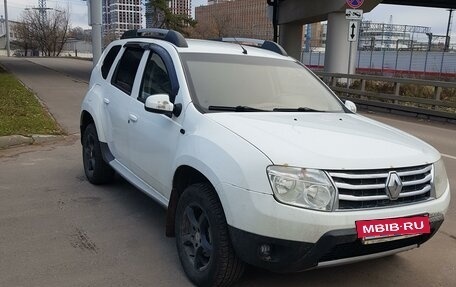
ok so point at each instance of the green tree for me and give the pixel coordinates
(163, 17)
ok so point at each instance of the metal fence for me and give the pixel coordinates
(412, 62)
(80, 49)
(434, 99)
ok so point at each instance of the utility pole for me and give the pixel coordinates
(43, 10)
(430, 36)
(8, 52)
(95, 20)
(448, 37)
(275, 18)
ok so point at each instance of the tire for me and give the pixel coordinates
(96, 169)
(202, 239)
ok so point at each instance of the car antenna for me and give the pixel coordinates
(244, 51)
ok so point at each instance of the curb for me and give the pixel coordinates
(18, 140)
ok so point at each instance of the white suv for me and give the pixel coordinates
(255, 159)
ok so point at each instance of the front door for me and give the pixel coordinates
(154, 137)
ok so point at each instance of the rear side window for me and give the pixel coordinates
(109, 60)
(126, 69)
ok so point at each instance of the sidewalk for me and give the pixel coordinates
(61, 94)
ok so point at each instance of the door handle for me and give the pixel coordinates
(106, 101)
(132, 118)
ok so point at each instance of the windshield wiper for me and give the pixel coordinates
(235, 109)
(300, 109)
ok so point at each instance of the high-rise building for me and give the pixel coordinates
(210, 2)
(182, 7)
(120, 16)
(154, 17)
(240, 18)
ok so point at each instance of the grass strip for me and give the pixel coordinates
(20, 111)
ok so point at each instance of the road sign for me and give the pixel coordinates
(355, 4)
(353, 29)
(354, 14)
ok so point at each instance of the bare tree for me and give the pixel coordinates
(221, 24)
(48, 33)
(218, 25)
(25, 40)
(77, 33)
(109, 37)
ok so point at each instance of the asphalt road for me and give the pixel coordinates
(56, 229)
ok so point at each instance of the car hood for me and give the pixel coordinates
(327, 140)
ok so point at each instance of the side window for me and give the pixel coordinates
(126, 69)
(109, 60)
(156, 79)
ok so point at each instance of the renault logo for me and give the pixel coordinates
(393, 185)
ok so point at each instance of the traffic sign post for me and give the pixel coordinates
(353, 31)
(354, 14)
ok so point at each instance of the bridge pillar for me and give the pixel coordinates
(338, 52)
(291, 37)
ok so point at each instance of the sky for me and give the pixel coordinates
(435, 18)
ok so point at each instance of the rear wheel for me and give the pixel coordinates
(202, 239)
(96, 169)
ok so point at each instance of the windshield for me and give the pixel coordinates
(242, 83)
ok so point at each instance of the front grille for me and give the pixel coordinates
(362, 189)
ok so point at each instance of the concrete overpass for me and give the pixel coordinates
(431, 4)
(293, 14)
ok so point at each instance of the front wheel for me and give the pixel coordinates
(202, 239)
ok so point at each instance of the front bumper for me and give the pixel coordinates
(333, 248)
(261, 214)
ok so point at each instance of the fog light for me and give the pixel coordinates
(265, 252)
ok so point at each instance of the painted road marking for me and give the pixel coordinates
(449, 156)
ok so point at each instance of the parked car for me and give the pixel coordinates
(255, 159)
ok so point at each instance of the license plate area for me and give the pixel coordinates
(391, 229)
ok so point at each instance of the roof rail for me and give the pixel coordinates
(263, 44)
(171, 36)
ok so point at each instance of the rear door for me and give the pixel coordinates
(107, 70)
(119, 101)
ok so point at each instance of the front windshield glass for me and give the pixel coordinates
(245, 83)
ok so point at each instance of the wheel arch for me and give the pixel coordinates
(184, 176)
(86, 119)
(90, 114)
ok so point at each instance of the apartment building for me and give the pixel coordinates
(120, 16)
(240, 18)
(155, 17)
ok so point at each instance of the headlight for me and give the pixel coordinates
(308, 188)
(440, 178)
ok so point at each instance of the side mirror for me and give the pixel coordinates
(351, 106)
(159, 104)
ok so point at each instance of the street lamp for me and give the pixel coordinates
(8, 52)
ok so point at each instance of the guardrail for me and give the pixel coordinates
(414, 97)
